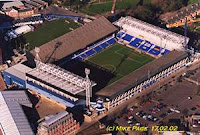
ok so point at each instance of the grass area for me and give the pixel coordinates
(120, 60)
(192, 1)
(49, 31)
(97, 8)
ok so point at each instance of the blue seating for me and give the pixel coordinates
(127, 37)
(145, 47)
(165, 52)
(136, 42)
(90, 52)
(155, 51)
(104, 45)
(119, 35)
(97, 48)
(79, 58)
(111, 41)
(83, 55)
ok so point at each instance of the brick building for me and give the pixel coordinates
(59, 124)
(19, 13)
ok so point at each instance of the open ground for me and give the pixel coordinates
(49, 31)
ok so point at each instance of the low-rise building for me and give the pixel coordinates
(194, 122)
(60, 124)
(19, 13)
(13, 120)
(17, 4)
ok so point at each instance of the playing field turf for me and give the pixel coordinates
(192, 1)
(106, 6)
(49, 31)
(120, 60)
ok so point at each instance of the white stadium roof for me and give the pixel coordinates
(60, 78)
(129, 22)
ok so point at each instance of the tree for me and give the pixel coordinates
(168, 5)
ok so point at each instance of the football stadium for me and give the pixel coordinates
(125, 58)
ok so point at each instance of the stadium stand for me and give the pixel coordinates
(56, 83)
(142, 45)
(93, 49)
(156, 35)
(140, 79)
(190, 12)
(77, 39)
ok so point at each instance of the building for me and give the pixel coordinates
(62, 123)
(16, 75)
(56, 83)
(36, 5)
(17, 9)
(156, 35)
(141, 79)
(8, 5)
(2, 84)
(19, 13)
(13, 120)
(52, 81)
(194, 122)
(188, 13)
(11, 34)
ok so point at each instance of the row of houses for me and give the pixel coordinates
(189, 13)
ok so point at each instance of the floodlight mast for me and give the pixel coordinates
(88, 86)
(37, 57)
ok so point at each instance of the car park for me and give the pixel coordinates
(193, 108)
(163, 115)
(169, 112)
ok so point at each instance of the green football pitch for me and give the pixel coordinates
(120, 60)
(49, 31)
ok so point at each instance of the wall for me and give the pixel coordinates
(12, 79)
(45, 92)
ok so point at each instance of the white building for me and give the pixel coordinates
(154, 34)
(18, 31)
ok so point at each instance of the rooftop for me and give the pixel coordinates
(59, 78)
(149, 28)
(186, 11)
(19, 70)
(76, 39)
(53, 118)
(8, 5)
(142, 74)
(12, 117)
